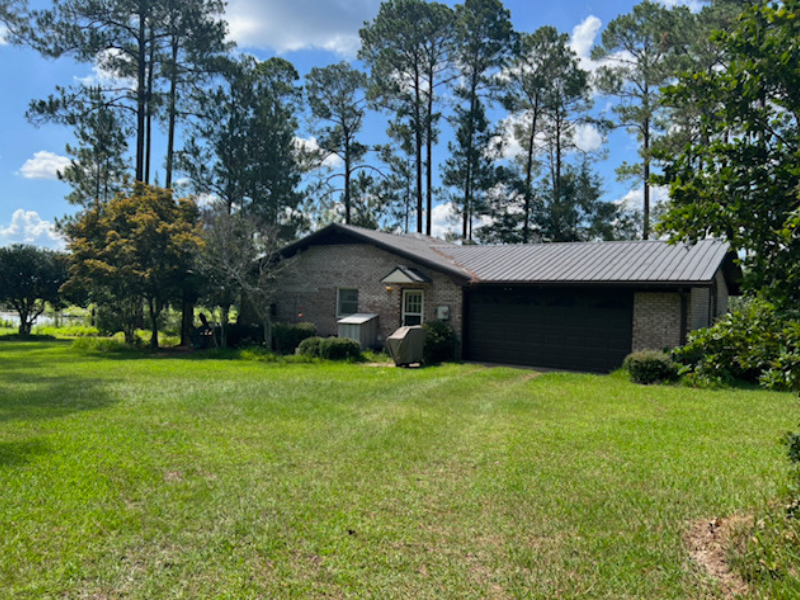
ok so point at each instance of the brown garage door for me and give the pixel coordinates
(558, 328)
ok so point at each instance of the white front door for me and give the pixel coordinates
(413, 305)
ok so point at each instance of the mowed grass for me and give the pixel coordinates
(168, 477)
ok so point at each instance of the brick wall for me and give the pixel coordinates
(308, 288)
(656, 320)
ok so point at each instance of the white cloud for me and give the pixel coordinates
(582, 40)
(634, 199)
(27, 227)
(311, 146)
(300, 24)
(588, 138)
(444, 220)
(43, 165)
(3, 35)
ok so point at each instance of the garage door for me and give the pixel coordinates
(567, 329)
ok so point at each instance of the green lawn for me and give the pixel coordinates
(168, 477)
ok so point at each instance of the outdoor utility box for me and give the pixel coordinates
(361, 327)
(406, 344)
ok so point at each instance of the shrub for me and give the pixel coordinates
(440, 342)
(754, 343)
(335, 348)
(310, 346)
(88, 344)
(67, 330)
(650, 366)
(239, 335)
(109, 320)
(286, 337)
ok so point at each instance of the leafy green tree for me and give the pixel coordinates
(134, 248)
(30, 277)
(97, 171)
(243, 149)
(337, 95)
(407, 49)
(484, 39)
(739, 181)
(641, 52)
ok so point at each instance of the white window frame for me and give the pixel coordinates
(340, 314)
(421, 314)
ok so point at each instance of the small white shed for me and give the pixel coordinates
(361, 327)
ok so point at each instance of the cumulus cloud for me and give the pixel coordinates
(44, 165)
(286, 26)
(27, 227)
(582, 41)
(443, 220)
(588, 138)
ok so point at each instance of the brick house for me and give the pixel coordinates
(581, 306)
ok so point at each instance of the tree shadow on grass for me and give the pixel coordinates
(26, 396)
(17, 454)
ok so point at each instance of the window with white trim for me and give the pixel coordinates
(346, 301)
(413, 306)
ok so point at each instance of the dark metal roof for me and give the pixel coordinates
(651, 262)
(636, 262)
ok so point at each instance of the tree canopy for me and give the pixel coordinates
(134, 248)
(31, 277)
(739, 179)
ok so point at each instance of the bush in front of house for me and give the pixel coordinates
(753, 343)
(310, 346)
(440, 342)
(286, 337)
(650, 366)
(334, 348)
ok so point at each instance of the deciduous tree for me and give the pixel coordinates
(30, 277)
(134, 248)
(739, 180)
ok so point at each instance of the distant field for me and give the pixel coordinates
(125, 476)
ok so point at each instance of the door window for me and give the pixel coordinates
(413, 305)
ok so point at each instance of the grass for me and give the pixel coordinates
(137, 476)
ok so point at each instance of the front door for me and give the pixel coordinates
(413, 303)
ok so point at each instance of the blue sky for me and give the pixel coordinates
(306, 32)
